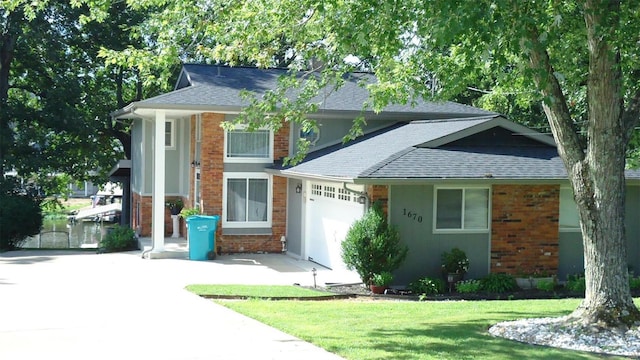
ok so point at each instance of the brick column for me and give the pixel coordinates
(524, 228)
(379, 193)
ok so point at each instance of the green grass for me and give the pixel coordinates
(56, 212)
(410, 330)
(256, 291)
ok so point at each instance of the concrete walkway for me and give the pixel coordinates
(72, 305)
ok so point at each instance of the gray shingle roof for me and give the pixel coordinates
(355, 159)
(404, 152)
(472, 163)
(219, 87)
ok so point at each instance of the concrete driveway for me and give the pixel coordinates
(79, 305)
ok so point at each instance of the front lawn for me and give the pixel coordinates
(373, 329)
(255, 291)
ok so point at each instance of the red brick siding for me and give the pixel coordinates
(143, 227)
(146, 215)
(212, 163)
(211, 184)
(379, 193)
(524, 228)
(211, 180)
(281, 142)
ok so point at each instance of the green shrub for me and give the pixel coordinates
(20, 215)
(455, 262)
(119, 238)
(468, 286)
(498, 283)
(372, 246)
(545, 285)
(576, 283)
(428, 286)
(634, 283)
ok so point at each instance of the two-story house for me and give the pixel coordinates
(448, 174)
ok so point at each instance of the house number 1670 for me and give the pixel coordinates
(412, 215)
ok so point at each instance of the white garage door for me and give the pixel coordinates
(330, 212)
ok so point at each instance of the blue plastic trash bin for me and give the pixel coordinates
(202, 235)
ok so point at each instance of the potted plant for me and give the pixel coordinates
(455, 264)
(175, 206)
(186, 212)
(380, 282)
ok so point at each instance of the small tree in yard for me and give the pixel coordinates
(20, 215)
(372, 246)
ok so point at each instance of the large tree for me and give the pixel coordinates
(579, 60)
(56, 92)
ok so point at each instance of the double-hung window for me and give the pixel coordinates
(461, 209)
(242, 145)
(247, 200)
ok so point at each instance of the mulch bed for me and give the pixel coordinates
(358, 291)
(392, 294)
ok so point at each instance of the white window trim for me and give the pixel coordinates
(247, 224)
(172, 145)
(560, 227)
(460, 231)
(266, 160)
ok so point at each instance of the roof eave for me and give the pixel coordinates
(306, 176)
(456, 180)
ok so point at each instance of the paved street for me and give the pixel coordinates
(66, 305)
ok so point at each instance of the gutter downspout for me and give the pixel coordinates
(360, 194)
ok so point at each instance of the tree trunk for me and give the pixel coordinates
(595, 167)
(600, 190)
(607, 299)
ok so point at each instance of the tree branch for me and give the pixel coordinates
(631, 115)
(570, 146)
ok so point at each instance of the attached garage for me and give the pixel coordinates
(330, 210)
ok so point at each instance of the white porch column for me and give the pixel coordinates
(157, 225)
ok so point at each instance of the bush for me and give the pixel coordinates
(372, 246)
(545, 285)
(455, 262)
(468, 286)
(428, 286)
(576, 283)
(20, 215)
(119, 238)
(498, 283)
(634, 283)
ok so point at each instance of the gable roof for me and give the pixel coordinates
(438, 150)
(352, 160)
(214, 88)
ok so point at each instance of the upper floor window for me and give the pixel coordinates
(242, 145)
(311, 135)
(462, 209)
(170, 134)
